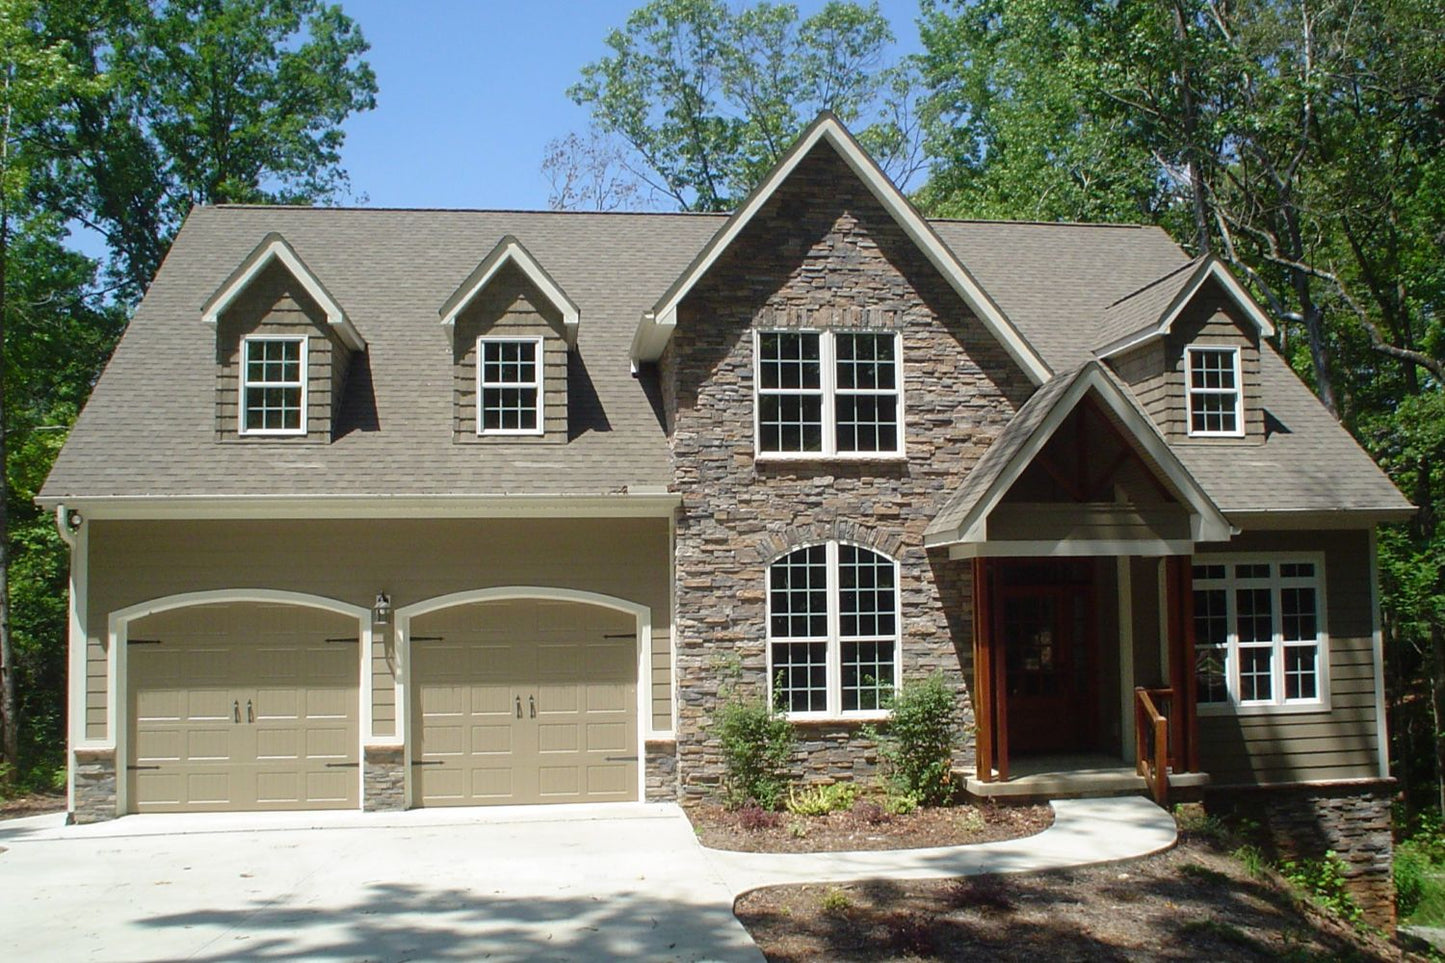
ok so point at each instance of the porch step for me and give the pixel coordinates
(1074, 783)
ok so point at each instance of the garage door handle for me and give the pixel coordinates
(532, 703)
(250, 713)
(519, 707)
(236, 710)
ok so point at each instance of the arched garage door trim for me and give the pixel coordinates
(643, 656)
(118, 629)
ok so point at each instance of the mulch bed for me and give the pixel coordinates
(1190, 903)
(865, 827)
(32, 805)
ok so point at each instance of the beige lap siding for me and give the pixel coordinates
(351, 560)
(1275, 746)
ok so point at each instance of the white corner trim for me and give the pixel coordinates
(77, 644)
(1377, 638)
(648, 344)
(275, 248)
(641, 613)
(1207, 522)
(510, 251)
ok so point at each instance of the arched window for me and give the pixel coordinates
(832, 630)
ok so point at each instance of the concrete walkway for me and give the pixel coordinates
(538, 883)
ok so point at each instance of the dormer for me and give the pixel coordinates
(512, 327)
(1188, 344)
(283, 348)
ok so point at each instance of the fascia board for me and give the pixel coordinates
(511, 251)
(274, 247)
(1211, 268)
(643, 504)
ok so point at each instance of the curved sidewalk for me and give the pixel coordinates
(1084, 832)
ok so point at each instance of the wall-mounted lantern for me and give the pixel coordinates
(381, 611)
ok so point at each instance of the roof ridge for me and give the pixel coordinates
(1026, 222)
(360, 209)
(1189, 265)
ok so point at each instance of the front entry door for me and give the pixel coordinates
(1045, 635)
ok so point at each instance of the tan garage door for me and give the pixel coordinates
(243, 706)
(524, 702)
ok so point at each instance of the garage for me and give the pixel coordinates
(243, 706)
(524, 701)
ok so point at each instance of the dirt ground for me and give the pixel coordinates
(865, 827)
(1190, 903)
(33, 805)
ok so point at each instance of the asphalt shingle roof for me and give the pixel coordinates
(149, 429)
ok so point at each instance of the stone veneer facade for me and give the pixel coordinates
(383, 779)
(821, 253)
(1350, 820)
(94, 777)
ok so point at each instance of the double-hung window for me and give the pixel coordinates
(832, 630)
(1216, 406)
(509, 386)
(1259, 635)
(828, 393)
(273, 386)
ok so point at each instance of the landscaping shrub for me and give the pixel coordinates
(1323, 881)
(753, 817)
(870, 812)
(757, 745)
(916, 745)
(821, 800)
(1411, 867)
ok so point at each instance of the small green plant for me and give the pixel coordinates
(900, 803)
(969, 820)
(1323, 882)
(916, 745)
(798, 828)
(835, 902)
(1192, 819)
(1252, 859)
(1412, 877)
(821, 800)
(757, 745)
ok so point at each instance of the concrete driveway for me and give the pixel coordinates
(553, 883)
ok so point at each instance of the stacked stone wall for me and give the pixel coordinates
(661, 772)
(383, 780)
(821, 254)
(94, 775)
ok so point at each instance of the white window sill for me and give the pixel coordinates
(814, 718)
(775, 457)
(1228, 709)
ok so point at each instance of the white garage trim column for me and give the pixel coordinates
(641, 613)
(118, 630)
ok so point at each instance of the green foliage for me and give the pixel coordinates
(835, 902)
(708, 97)
(1419, 869)
(757, 744)
(1252, 858)
(1323, 882)
(916, 745)
(896, 803)
(821, 800)
(1412, 870)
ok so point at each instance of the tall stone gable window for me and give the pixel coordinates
(828, 394)
(832, 631)
(509, 386)
(273, 386)
(1259, 631)
(1213, 388)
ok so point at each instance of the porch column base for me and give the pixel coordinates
(93, 771)
(383, 780)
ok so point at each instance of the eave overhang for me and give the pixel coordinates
(656, 326)
(1209, 267)
(275, 248)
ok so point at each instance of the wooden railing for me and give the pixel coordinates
(1152, 731)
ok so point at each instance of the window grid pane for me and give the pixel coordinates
(800, 594)
(867, 392)
(1211, 640)
(790, 392)
(800, 676)
(867, 674)
(272, 384)
(509, 386)
(1213, 391)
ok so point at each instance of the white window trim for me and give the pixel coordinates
(1190, 392)
(246, 385)
(834, 638)
(1277, 705)
(541, 388)
(827, 359)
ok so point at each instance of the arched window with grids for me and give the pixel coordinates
(832, 630)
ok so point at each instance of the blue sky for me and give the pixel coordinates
(472, 91)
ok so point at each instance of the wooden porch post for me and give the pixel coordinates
(982, 672)
(1179, 598)
(1000, 676)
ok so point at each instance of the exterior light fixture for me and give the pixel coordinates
(381, 611)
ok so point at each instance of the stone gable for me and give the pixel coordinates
(821, 254)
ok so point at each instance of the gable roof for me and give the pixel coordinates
(275, 248)
(655, 328)
(964, 517)
(509, 250)
(1151, 311)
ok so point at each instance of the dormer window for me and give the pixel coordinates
(509, 386)
(828, 394)
(273, 386)
(1216, 406)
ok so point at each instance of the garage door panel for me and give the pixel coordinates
(551, 659)
(242, 706)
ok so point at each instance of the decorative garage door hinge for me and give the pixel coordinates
(343, 765)
(345, 639)
(134, 768)
(142, 641)
(429, 762)
(428, 638)
(621, 758)
(620, 635)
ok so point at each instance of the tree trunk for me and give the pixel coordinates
(1437, 709)
(9, 711)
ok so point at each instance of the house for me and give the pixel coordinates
(390, 508)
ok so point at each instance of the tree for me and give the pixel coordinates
(34, 76)
(707, 100)
(588, 174)
(208, 102)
